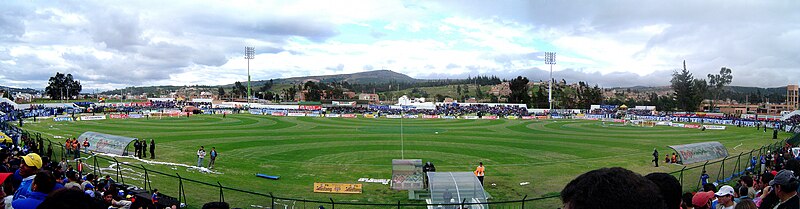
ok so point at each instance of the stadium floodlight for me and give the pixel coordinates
(249, 53)
(550, 59)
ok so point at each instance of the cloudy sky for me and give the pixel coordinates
(113, 44)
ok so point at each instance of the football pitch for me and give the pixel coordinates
(305, 150)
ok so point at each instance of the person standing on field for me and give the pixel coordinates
(201, 153)
(479, 172)
(655, 156)
(213, 157)
(152, 149)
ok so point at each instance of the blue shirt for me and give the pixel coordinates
(704, 179)
(24, 189)
(33, 201)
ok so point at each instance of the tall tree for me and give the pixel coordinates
(689, 92)
(682, 84)
(63, 86)
(313, 92)
(718, 82)
(239, 89)
(519, 90)
(220, 92)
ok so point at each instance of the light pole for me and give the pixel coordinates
(550, 59)
(249, 53)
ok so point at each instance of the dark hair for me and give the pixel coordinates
(792, 165)
(216, 205)
(611, 188)
(746, 204)
(44, 182)
(743, 190)
(69, 199)
(766, 177)
(709, 187)
(747, 180)
(686, 199)
(670, 188)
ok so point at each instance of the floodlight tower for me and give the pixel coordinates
(550, 59)
(249, 53)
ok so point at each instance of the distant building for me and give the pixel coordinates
(369, 97)
(502, 89)
(792, 97)
(349, 94)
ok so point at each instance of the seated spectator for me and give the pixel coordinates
(725, 197)
(702, 200)
(70, 199)
(611, 188)
(785, 186)
(110, 201)
(43, 183)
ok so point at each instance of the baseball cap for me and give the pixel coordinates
(89, 186)
(724, 190)
(3, 177)
(701, 198)
(783, 178)
(33, 159)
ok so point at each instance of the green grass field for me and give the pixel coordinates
(304, 150)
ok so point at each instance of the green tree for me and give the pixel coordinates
(220, 92)
(239, 89)
(718, 82)
(682, 83)
(519, 90)
(63, 86)
(313, 91)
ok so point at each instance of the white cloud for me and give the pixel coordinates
(187, 42)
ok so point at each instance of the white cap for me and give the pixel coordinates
(724, 190)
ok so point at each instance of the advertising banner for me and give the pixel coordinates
(700, 152)
(664, 123)
(337, 188)
(511, 117)
(135, 116)
(60, 119)
(490, 117)
(312, 115)
(448, 117)
(332, 115)
(349, 115)
(106, 143)
(430, 116)
(541, 117)
(296, 114)
(410, 116)
(343, 104)
(118, 116)
(278, 114)
(393, 116)
(256, 111)
(96, 117)
(691, 126)
(712, 127)
(528, 117)
(407, 174)
(469, 117)
(310, 107)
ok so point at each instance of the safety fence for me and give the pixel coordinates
(727, 169)
(145, 179)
